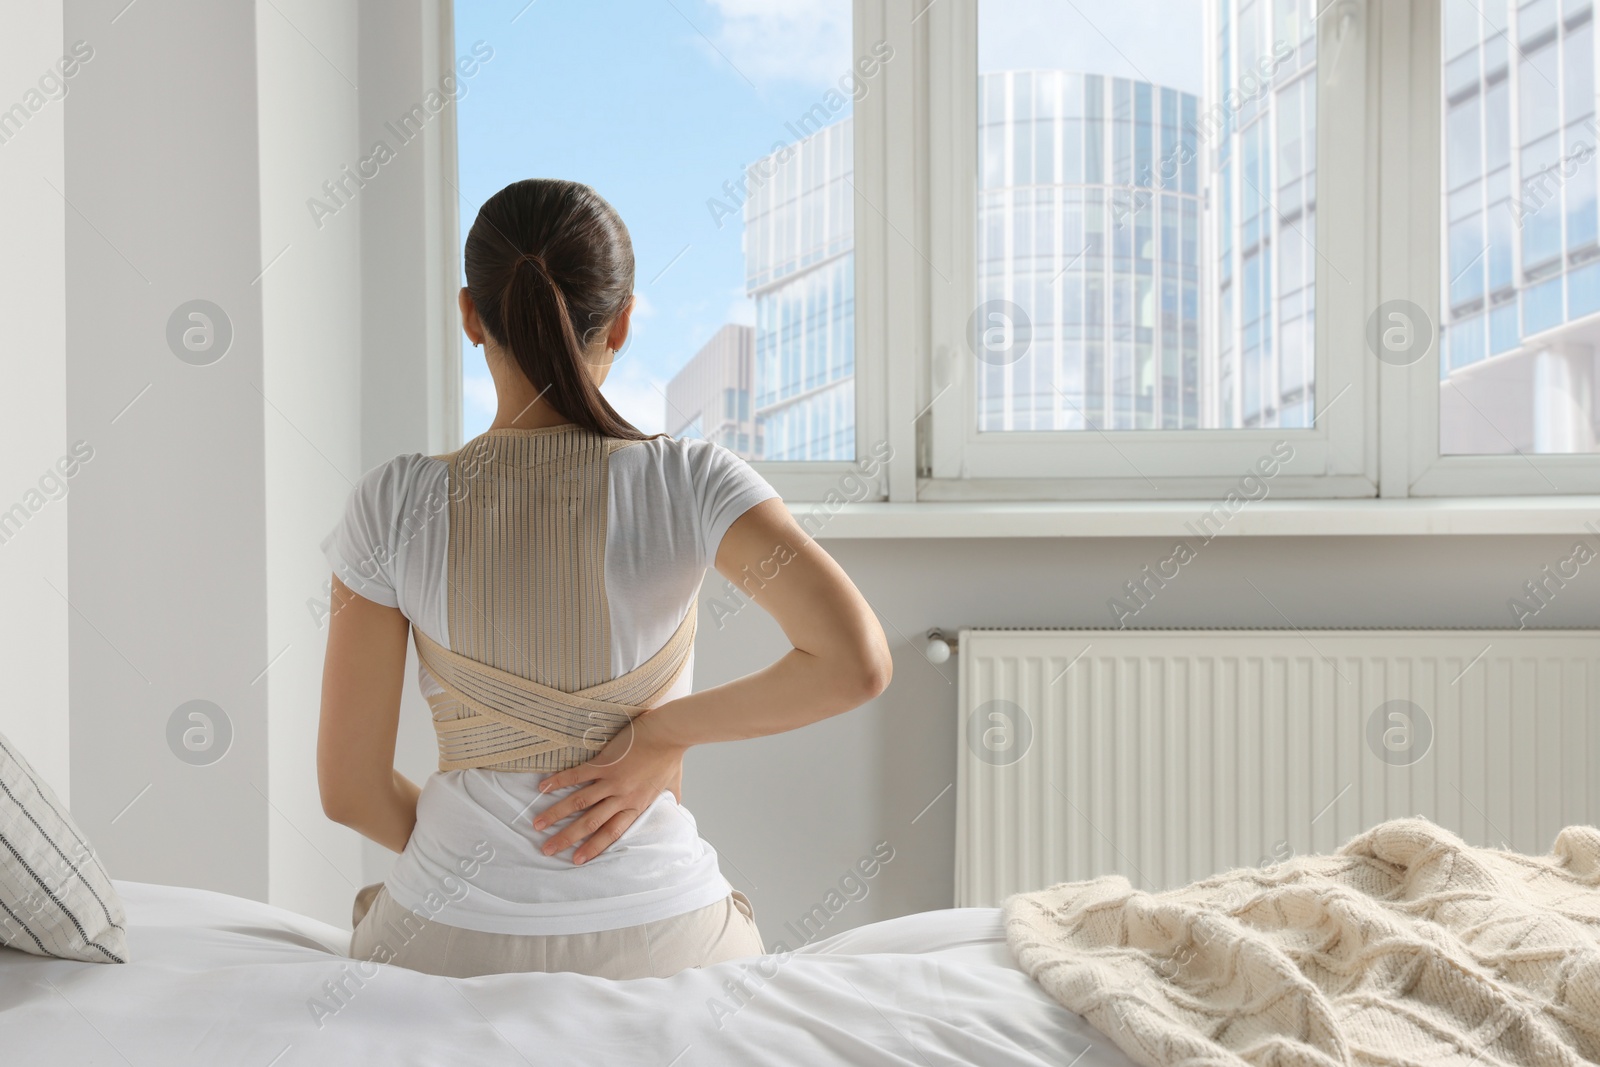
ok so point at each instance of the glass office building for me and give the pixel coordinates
(1521, 262)
(799, 243)
(710, 396)
(1088, 254)
(1259, 135)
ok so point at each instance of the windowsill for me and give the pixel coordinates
(1486, 516)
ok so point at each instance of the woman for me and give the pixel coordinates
(548, 572)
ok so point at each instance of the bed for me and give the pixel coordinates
(217, 979)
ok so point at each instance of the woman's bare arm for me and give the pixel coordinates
(839, 661)
(362, 678)
(840, 657)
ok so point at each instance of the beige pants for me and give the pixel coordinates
(389, 933)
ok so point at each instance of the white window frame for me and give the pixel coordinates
(866, 479)
(882, 152)
(915, 186)
(1335, 458)
(1412, 233)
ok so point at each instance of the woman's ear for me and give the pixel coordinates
(471, 325)
(617, 336)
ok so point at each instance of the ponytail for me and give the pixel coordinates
(549, 263)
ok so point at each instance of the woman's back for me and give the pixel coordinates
(567, 559)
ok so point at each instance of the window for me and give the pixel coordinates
(1145, 250)
(723, 134)
(1026, 250)
(1521, 308)
(1114, 338)
(1085, 332)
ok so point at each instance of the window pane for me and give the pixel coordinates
(1147, 215)
(738, 198)
(1521, 303)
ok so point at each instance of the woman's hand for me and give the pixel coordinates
(626, 777)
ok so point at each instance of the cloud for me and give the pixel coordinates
(806, 41)
(642, 306)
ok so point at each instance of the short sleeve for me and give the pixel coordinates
(726, 487)
(361, 548)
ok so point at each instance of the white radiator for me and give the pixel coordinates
(1166, 756)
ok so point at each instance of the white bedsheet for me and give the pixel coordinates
(219, 980)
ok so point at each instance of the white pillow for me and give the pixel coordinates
(55, 898)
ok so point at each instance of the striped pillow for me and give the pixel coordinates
(55, 898)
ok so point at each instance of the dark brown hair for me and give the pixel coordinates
(550, 265)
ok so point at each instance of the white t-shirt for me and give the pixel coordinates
(669, 503)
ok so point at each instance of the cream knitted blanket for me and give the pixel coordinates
(1406, 946)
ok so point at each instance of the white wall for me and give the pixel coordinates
(411, 338)
(185, 152)
(178, 167)
(411, 408)
(352, 327)
(311, 316)
(789, 814)
(33, 431)
(168, 545)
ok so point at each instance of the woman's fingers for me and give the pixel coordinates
(583, 772)
(606, 836)
(579, 801)
(579, 829)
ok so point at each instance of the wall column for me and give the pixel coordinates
(167, 558)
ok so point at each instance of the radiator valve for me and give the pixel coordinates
(939, 647)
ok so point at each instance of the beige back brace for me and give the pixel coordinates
(526, 679)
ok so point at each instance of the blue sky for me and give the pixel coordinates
(658, 103)
(1151, 40)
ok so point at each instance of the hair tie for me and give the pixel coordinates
(534, 258)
